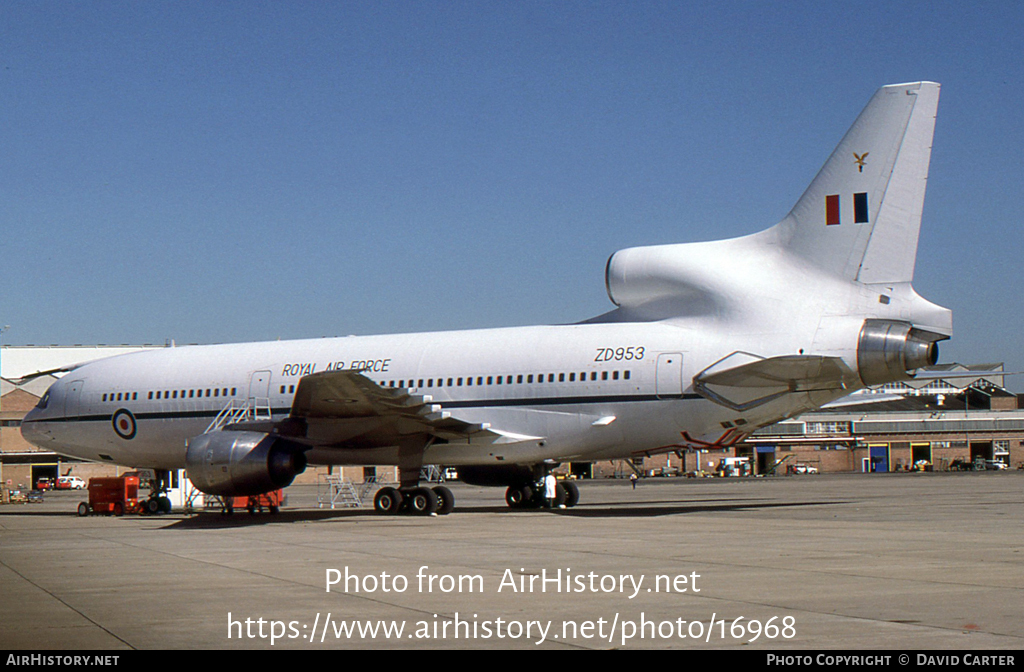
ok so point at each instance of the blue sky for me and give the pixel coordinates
(216, 171)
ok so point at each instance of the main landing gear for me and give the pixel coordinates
(416, 501)
(411, 498)
(531, 495)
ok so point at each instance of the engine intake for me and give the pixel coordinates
(888, 350)
(236, 464)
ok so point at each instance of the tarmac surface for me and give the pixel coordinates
(924, 561)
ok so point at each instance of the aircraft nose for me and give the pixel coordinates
(34, 429)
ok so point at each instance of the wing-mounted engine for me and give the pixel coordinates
(236, 464)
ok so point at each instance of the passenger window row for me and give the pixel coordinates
(467, 381)
(173, 394)
(128, 396)
(520, 379)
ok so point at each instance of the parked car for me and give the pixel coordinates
(70, 483)
(44, 484)
(804, 469)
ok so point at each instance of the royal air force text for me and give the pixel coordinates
(383, 365)
(306, 368)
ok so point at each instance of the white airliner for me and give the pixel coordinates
(708, 342)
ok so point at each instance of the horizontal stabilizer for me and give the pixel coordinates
(742, 381)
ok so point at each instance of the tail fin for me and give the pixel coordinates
(861, 216)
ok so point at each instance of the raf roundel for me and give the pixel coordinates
(124, 423)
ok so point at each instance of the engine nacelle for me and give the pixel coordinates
(236, 464)
(888, 350)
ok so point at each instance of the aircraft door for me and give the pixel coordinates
(259, 385)
(669, 375)
(73, 399)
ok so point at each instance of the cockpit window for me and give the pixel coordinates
(44, 401)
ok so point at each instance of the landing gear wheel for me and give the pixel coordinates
(518, 496)
(83, 509)
(388, 501)
(572, 494)
(445, 500)
(165, 504)
(560, 496)
(422, 502)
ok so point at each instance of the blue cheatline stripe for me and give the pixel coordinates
(481, 403)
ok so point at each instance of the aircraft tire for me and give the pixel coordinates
(422, 501)
(165, 504)
(445, 500)
(561, 495)
(387, 501)
(572, 494)
(518, 496)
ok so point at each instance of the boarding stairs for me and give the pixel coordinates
(251, 410)
(774, 469)
(431, 473)
(338, 492)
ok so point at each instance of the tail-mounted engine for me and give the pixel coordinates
(888, 350)
(236, 464)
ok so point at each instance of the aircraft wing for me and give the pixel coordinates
(347, 409)
(742, 381)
